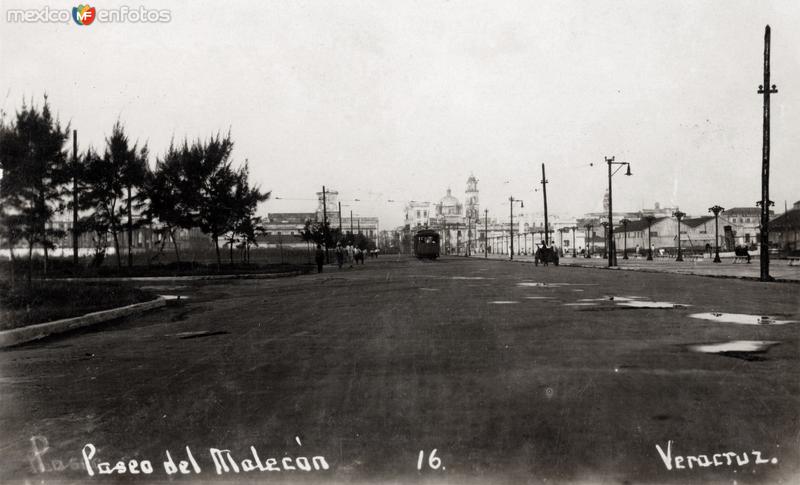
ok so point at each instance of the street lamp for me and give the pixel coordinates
(561, 232)
(511, 201)
(625, 223)
(612, 250)
(649, 220)
(574, 249)
(679, 215)
(588, 227)
(606, 249)
(485, 233)
(716, 210)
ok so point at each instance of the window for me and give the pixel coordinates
(748, 219)
(418, 215)
(425, 214)
(747, 238)
(655, 234)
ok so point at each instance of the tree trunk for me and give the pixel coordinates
(130, 229)
(116, 250)
(44, 246)
(231, 251)
(175, 244)
(30, 263)
(13, 262)
(216, 246)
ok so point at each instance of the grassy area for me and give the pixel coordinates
(64, 268)
(46, 301)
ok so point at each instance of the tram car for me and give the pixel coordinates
(426, 244)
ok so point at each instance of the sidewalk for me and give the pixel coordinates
(778, 268)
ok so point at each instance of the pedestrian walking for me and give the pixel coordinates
(339, 255)
(319, 256)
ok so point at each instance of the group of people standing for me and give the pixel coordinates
(344, 254)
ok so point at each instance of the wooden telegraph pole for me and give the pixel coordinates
(325, 225)
(544, 194)
(766, 89)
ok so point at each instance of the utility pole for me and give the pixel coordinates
(485, 233)
(325, 225)
(511, 201)
(612, 251)
(340, 219)
(544, 194)
(766, 89)
(75, 197)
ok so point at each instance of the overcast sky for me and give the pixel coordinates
(399, 100)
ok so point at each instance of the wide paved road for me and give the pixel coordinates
(513, 373)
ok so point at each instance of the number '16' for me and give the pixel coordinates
(433, 461)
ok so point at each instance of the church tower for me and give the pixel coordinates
(471, 203)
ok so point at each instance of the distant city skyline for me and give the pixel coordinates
(399, 101)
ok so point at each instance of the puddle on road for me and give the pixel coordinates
(608, 298)
(538, 297)
(740, 318)
(584, 303)
(470, 278)
(502, 302)
(174, 297)
(740, 349)
(204, 333)
(651, 304)
(164, 287)
(196, 333)
(552, 285)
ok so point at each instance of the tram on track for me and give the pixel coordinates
(426, 244)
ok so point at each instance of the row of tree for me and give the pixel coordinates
(117, 190)
(323, 234)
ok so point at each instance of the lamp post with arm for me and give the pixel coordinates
(716, 210)
(589, 234)
(612, 250)
(511, 201)
(574, 249)
(649, 220)
(679, 215)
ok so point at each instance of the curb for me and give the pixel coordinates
(685, 273)
(656, 271)
(41, 330)
(244, 276)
